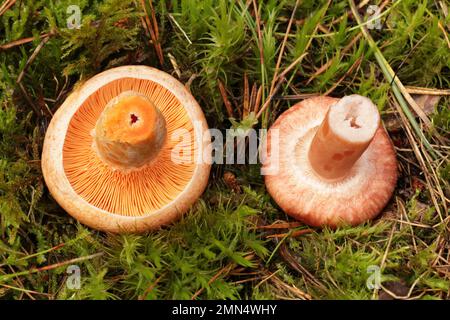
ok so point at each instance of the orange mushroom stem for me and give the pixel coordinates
(130, 132)
(345, 133)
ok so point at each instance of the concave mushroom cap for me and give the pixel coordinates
(128, 151)
(346, 176)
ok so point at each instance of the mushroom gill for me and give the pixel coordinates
(141, 189)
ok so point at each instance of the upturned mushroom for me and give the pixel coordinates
(121, 153)
(334, 164)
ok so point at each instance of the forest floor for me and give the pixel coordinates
(235, 242)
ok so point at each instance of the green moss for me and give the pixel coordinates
(211, 41)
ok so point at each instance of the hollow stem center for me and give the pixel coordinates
(130, 132)
(133, 118)
(345, 133)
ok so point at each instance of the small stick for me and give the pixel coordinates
(153, 30)
(283, 44)
(22, 73)
(253, 98)
(179, 27)
(329, 62)
(258, 99)
(291, 234)
(294, 264)
(151, 287)
(247, 280)
(258, 25)
(225, 99)
(269, 99)
(29, 292)
(427, 91)
(277, 80)
(225, 270)
(57, 247)
(296, 96)
(6, 5)
(31, 58)
(349, 71)
(322, 28)
(279, 283)
(19, 42)
(49, 267)
(190, 81)
(445, 33)
(30, 102)
(282, 225)
(291, 66)
(246, 97)
(174, 63)
(156, 29)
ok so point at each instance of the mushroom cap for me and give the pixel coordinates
(307, 197)
(119, 201)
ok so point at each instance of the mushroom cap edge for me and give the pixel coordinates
(75, 205)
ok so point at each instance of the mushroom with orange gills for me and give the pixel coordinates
(113, 157)
(335, 163)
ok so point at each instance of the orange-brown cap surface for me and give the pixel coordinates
(309, 183)
(128, 151)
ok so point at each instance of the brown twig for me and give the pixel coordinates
(291, 66)
(290, 259)
(224, 270)
(151, 287)
(258, 100)
(269, 99)
(258, 30)
(31, 58)
(279, 284)
(174, 63)
(323, 68)
(25, 68)
(277, 80)
(6, 5)
(19, 42)
(30, 102)
(281, 77)
(152, 28)
(281, 225)
(226, 102)
(349, 71)
(246, 104)
(49, 267)
(301, 96)
(445, 33)
(253, 97)
(57, 247)
(427, 91)
(283, 45)
(293, 234)
(26, 291)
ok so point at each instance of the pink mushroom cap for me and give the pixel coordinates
(317, 200)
